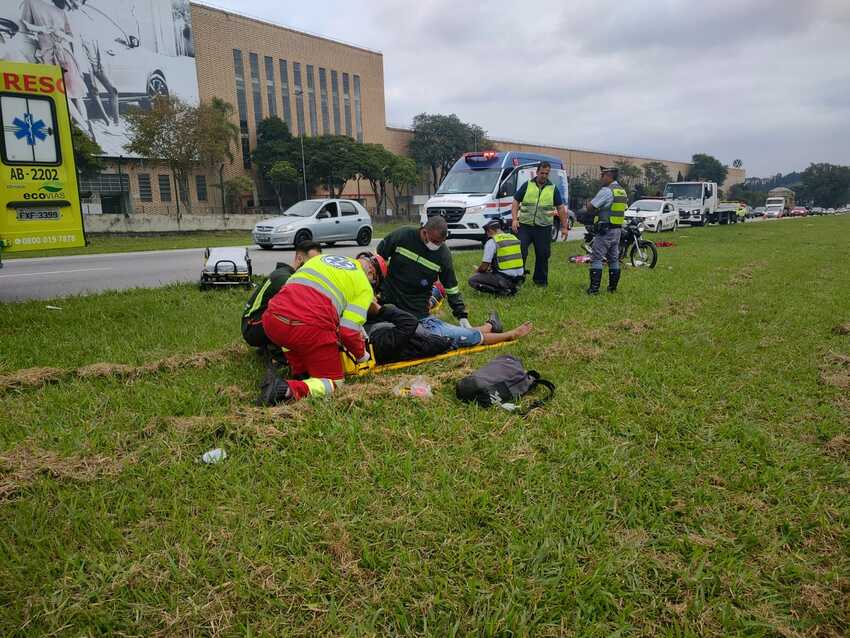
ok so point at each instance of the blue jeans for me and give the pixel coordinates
(461, 337)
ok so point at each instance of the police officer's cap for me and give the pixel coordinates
(609, 169)
(493, 223)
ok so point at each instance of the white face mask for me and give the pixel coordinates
(432, 246)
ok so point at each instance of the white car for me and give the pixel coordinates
(326, 221)
(656, 214)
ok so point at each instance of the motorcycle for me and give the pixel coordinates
(642, 253)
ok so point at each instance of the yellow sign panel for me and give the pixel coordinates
(39, 198)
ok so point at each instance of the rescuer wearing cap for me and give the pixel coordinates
(609, 209)
(532, 212)
(323, 305)
(501, 269)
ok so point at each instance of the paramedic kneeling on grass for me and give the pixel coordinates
(417, 258)
(324, 304)
(252, 314)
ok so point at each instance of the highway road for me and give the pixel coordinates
(56, 277)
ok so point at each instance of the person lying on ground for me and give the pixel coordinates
(323, 305)
(501, 270)
(252, 313)
(396, 335)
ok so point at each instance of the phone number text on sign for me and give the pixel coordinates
(49, 239)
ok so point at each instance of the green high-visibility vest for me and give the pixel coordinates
(508, 252)
(537, 205)
(615, 213)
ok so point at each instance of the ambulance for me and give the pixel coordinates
(40, 207)
(481, 186)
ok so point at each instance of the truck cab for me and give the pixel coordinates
(481, 186)
(696, 202)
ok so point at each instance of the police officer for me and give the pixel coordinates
(501, 269)
(532, 212)
(609, 209)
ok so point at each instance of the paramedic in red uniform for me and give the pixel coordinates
(323, 305)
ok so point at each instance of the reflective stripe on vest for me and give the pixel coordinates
(508, 252)
(419, 259)
(537, 205)
(615, 213)
(340, 279)
(258, 299)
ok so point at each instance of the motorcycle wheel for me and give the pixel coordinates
(644, 255)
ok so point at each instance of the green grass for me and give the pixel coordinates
(123, 243)
(689, 478)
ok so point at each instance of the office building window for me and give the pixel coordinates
(311, 97)
(299, 96)
(242, 107)
(164, 188)
(145, 191)
(346, 104)
(335, 100)
(323, 101)
(201, 187)
(284, 94)
(358, 115)
(255, 87)
(271, 91)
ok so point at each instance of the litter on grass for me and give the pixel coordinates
(418, 387)
(580, 259)
(214, 456)
(53, 307)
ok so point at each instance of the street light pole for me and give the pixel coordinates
(300, 93)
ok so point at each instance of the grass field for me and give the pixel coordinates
(123, 243)
(690, 477)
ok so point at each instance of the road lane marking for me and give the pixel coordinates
(51, 272)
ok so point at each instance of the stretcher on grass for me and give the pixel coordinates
(226, 267)
(354, 369)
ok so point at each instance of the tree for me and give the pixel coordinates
(281, 175)
(86, 151)
(440, 140)
(656, 176)
(180, 135)
(402, 175)
(582, 188)
(707, 168)
(743, 193)
(373, 163)
(235, 188)
(629, 173)
(216, 135)
(331, 160)
(826, 185)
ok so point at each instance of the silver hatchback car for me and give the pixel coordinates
(326, 221)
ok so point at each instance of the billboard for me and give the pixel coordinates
(116, 54)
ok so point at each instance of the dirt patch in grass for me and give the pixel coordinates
(835, 371)
(23, 464)
(838, 446)
(634, 327)
(38, 377)
(560, 350)
(842, 329)
(745, 274)
(31, 378)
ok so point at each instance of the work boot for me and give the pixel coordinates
(595, 281)
(275, 392)
(613, 280)
(494, 321)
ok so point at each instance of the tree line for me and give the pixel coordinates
(185, 137)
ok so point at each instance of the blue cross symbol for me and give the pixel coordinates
(31, 130)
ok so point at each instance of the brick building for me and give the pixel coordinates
(317, 85)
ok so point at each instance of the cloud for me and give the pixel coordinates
(747, 79)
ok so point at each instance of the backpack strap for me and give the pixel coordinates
(538, 382)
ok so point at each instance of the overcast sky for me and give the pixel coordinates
(764, 81)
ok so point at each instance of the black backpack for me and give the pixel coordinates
(503, 380)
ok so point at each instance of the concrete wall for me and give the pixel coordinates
(153, 223)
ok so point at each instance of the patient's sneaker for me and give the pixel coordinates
(275, 392)
(494, 321)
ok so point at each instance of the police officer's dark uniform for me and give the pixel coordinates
(609, 206)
